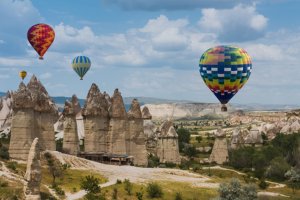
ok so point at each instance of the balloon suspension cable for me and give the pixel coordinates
(224, 108)
(41, 58)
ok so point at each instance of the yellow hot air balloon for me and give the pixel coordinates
(22, 74)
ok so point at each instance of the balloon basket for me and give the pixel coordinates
(41, 58)
(224, 108)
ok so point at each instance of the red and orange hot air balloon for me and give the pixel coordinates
(40, 36)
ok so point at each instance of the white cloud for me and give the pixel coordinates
(155, 5)
(13, 62)
(240, 23)
(46, 75)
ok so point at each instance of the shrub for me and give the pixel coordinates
(115, 193)
(278, 167)
(58, 190)
(263, 184)
(119, 181)
(128, 186)
(153, 161)
(139, 195)
(170, 165)
(12, 165)
(90, 184)
(91, 196)
(3, 183)
(178, 196)
(199, 138)
(4, 152)
(154, 190)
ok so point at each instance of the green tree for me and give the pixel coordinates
(128, 186)
(154, 190)
(242, 157)
(55, 167)
(190, 151)
(184, 137)
(293, 176)
(90, 184)
(199, 138)
(278, 167)
(139, 195)
(235, 191)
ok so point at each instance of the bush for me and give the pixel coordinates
(170, 165)
(190, 151)
(91, 196)
(184, 137)
(263, 184)
(119, 181)
(153, 161)
(128, 186)
(90, 184)
(12, 165)
(3, 183)
(58, 190)
(115, 193)
(234, 190)
(4, 152)
(199, 138)
(154, 190)
(139, 195)
(178, 196)
(278, 167)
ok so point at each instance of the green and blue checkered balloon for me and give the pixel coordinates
(81, 64)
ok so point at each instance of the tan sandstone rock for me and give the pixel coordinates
(118, 125)
(167, 145)
(71, 141)
(219, 152)
(96, 122)
(33, 173)
(135, 140)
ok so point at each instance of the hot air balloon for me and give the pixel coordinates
(225, 70)
(81, 64)
(22, 74)
(40, 36)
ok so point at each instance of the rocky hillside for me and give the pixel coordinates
(186, 110)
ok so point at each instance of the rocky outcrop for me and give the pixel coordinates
(219, 152)
(71, 141)
(96, 121)
(5, 113)
(135, 140)
(167, 143)
(23, 121)
(33, 173)
(34, 114)
(118, 124)
(146, 113)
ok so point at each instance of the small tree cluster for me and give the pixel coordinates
(235, 191)
(154, 190)
(293, 176)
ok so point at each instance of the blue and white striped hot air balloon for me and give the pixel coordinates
(81, 64)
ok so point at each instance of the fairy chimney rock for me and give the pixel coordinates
(96, 121)
(146, 113)
(135, 139)
(219, 152)
(167, 144)
(118, 124)
(71, 141)
(33, 173)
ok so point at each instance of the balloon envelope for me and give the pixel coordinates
(40, 36)
(81, 64)
(22, 74)
(225, 70)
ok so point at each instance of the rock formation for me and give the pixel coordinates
(254, 138)
(149, 131)
(34, 114)
(45, 114)
(96, 122)
(23, 120)
(118, 125)
(135, 139)
(33, 174)
(167, 144)
(219, 153)
(71, 141)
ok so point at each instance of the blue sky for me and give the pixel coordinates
(152, 48)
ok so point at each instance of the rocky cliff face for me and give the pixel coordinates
(71, 141)
(96, 122)
(33, 174)
(135, 140)
(118, 124)
(5, 113)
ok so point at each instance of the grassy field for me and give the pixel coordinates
(169, 189)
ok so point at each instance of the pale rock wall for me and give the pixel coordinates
(136, 141)
(219, 152)
(33, 175)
